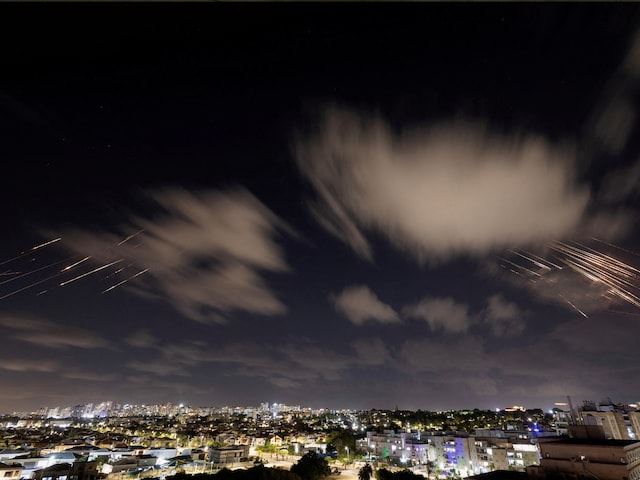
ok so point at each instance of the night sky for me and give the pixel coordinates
(360, 205)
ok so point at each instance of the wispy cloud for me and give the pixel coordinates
(359, 304)
(372, 351)
(614, 117)
(160, 368)
(205, 252)
(440, 191)
(49, 334)
(141, 339)
(27, 365)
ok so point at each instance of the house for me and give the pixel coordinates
(227, 455)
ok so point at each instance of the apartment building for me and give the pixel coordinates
(459, 454)
(10, 472)
(576, 459)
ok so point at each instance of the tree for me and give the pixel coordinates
(311, 467)
(383, 474)
(431, 467)
(365, 472)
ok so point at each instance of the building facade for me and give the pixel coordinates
(574, 459)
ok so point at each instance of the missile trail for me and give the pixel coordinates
(616, 280)
(69, 267)
(130, 237)
(125, 280)
(31, 285)
(28, 252)
(90, 272)
(34, 271)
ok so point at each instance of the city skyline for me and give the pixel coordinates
(105, 408)
(429, 206)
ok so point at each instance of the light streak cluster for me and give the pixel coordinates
(51, 270)
(615, 280)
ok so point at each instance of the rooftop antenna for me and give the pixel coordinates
(572, 415)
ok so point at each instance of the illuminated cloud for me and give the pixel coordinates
(504, 318)
(438, 192)
(372, 351)
(443, 314)
(159, 368)
(205, 253)
(359, 304)
(49, 334)
(25, 365)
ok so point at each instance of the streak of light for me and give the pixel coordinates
(130, 237)
(34, 271)
(6, 273)
(519, 266)
(616, 246)
(618, 280)
(69, 267)
(46, 243)
(31, 285)
(114, 273)
(574, 307)
(535, 262)
(125, 280)
(602, 268)
(28, 252)
(41, 293)
(609, 262)
(559, 267)
(90, 272)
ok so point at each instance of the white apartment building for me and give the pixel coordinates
(462, 455)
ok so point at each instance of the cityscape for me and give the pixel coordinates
(145, 441)
(410, 229)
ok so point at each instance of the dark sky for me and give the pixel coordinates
(334, 205)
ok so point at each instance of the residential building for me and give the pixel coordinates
(10, 472)
(588, 459)
(228, 455)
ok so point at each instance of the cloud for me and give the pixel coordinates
(359, 304)
(621, 184)
(16, 365)
(89, 376)
(504, 318)
(460, 365)
(316, 359)
(371, 351)
(448, 190)
(205, 252)
(614, 118)
(159, 368)
(49, 334)
(141, 339)
(441, 314)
